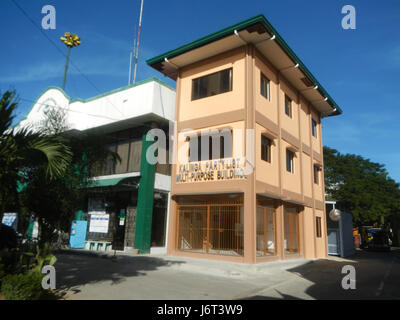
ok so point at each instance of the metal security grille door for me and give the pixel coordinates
(192, 226)
(211, 228)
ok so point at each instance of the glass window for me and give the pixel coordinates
(288, 106)
(219, 146)
(264, 86)
(289, 161)
(318, 226)
(314, 128)
(316, 174)
(212, 84)
(265, 149)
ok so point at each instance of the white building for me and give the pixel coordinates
(124, 116)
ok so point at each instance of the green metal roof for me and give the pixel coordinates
(238, 27)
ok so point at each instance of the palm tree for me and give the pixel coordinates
(22, 149)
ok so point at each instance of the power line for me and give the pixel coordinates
(60, 51)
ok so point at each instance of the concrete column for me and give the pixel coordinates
(145, 199)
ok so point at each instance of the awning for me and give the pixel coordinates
(132, 182)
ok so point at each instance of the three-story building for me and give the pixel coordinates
(248, 183)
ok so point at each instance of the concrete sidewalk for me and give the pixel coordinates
(96, 275)
(206, 266)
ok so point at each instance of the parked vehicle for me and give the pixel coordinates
(378, 239)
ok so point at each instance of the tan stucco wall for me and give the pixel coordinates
(266, 107)
(220, 103)
(304, 123)
(240, 109)
(266, 172)
(321, 242)
(307, 174)
(309, 233)
(316, 142)
(289, 124)
(290, 181)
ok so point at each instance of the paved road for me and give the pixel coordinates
(83, 276)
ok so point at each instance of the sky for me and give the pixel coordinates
(359, 68)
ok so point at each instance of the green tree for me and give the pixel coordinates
(364, 188)
(25, 150)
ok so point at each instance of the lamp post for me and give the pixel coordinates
(70, 40)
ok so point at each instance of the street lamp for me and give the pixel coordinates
(70, 40)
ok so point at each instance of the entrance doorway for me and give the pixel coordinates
(211, 228)
(119, 230)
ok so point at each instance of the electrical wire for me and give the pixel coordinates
(60, 51)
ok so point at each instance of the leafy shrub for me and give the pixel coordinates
(22, 286)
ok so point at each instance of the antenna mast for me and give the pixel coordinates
(137, 44)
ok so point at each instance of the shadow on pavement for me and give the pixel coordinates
(372, 269)
(76, 268)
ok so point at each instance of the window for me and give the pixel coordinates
(265, 149)
(289, 161)
(316, 174)
(216, 146)
(264, 87)
(288, 106)
(318, 226)
(212, 84)
(314, 128)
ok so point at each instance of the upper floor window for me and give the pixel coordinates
(314, 128)
(265, 90)
(212, 84)
(289, 161)
(265, 149)
(288, 106)
(210, 146)
(316, 174)
(318, 226)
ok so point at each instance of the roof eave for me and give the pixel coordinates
(238, 27)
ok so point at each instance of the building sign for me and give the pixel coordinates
(212, 170)
(11, 220)
(99, 223)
